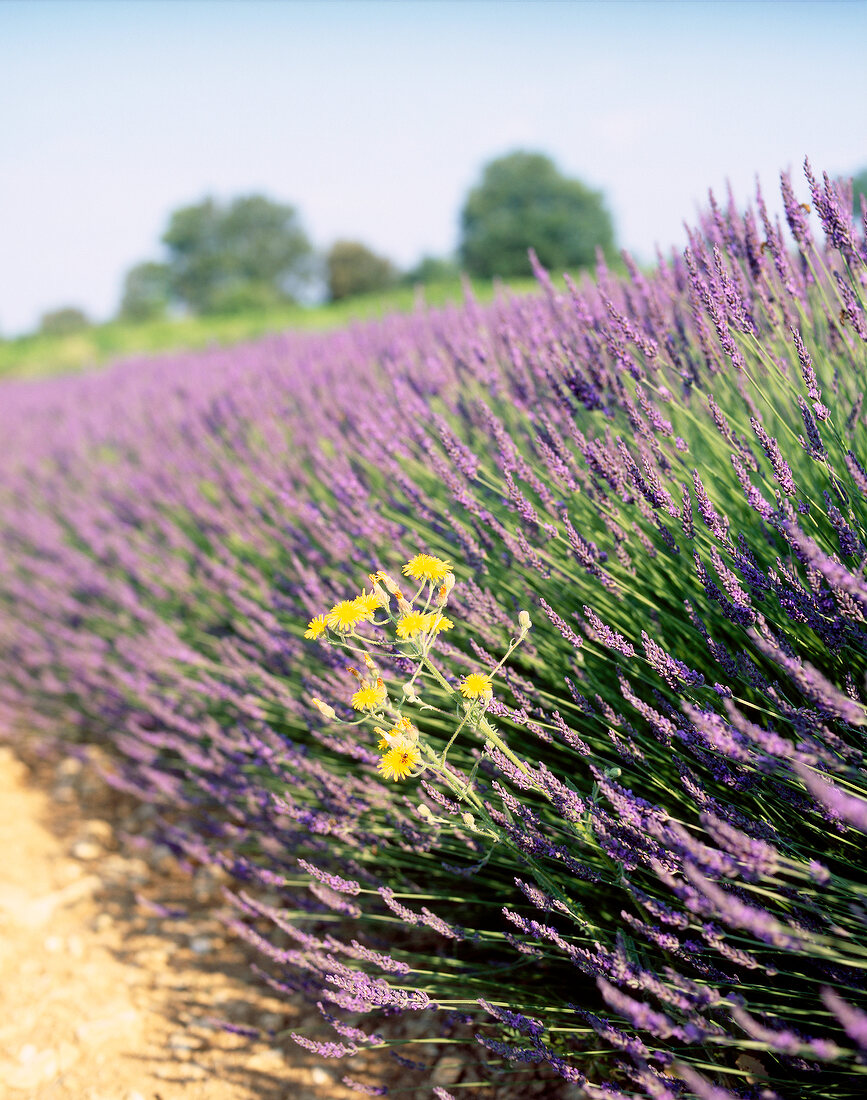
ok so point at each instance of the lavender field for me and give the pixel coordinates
(511, 659)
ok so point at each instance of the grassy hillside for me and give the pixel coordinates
(34, 355)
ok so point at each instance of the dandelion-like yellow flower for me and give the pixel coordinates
(414, 622)
(436, 622)
(475, 685)
(346, 615)
(369, 601)
(425, 567)
(399, 761)
(315, 627)
(369, 697)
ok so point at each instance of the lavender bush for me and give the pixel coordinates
(595, 806)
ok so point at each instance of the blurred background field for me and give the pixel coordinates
(41, 354)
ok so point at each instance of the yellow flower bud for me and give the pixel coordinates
(445, 588)
(385, 579)
(324, 709)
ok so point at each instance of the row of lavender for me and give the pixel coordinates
(641, 869)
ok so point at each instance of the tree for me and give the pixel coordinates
(432, 269)
(146, 291)
(63, 321)
(217, 254)
(524, 202)
(352, 268)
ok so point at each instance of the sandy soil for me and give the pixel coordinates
(101, 998)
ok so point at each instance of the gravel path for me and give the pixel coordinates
(100, 998)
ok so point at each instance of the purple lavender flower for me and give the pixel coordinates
(852, 1020)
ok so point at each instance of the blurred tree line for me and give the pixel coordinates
(252, 253)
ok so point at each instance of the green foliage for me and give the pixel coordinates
(432, 269)
(217, 253)
(63, 321)
(352, 269)
(524, 202)
(146, 291)
(859, 187)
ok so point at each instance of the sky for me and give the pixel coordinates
(375, 118)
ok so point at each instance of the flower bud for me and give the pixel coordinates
(445, 588)
(404, 606)
(410, 692)
(324, 709)
(369, 662)
(524, 621)
(381, 595)
(408, 730)
(385, 579)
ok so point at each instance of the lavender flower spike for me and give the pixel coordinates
(854, 1021)
(846, 807)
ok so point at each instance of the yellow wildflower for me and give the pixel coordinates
(412, 623)
(404, 734)
(406, 729)
(475, 685)
(425, 567)
(315, 627)
(370, 696)
(346, 615)
(437, 622)
(399, 761)
(369, 601)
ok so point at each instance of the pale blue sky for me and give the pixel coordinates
(374, 118)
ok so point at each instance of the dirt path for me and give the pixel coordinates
(101, 998)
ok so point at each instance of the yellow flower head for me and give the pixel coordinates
(369, 601)
(414, 622)
(437, 622)
(370, 696)
(346, 615)
(475, 685)
(315, 627)
(399, 761)
(424, 567)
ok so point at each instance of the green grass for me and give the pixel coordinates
(37, 355)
